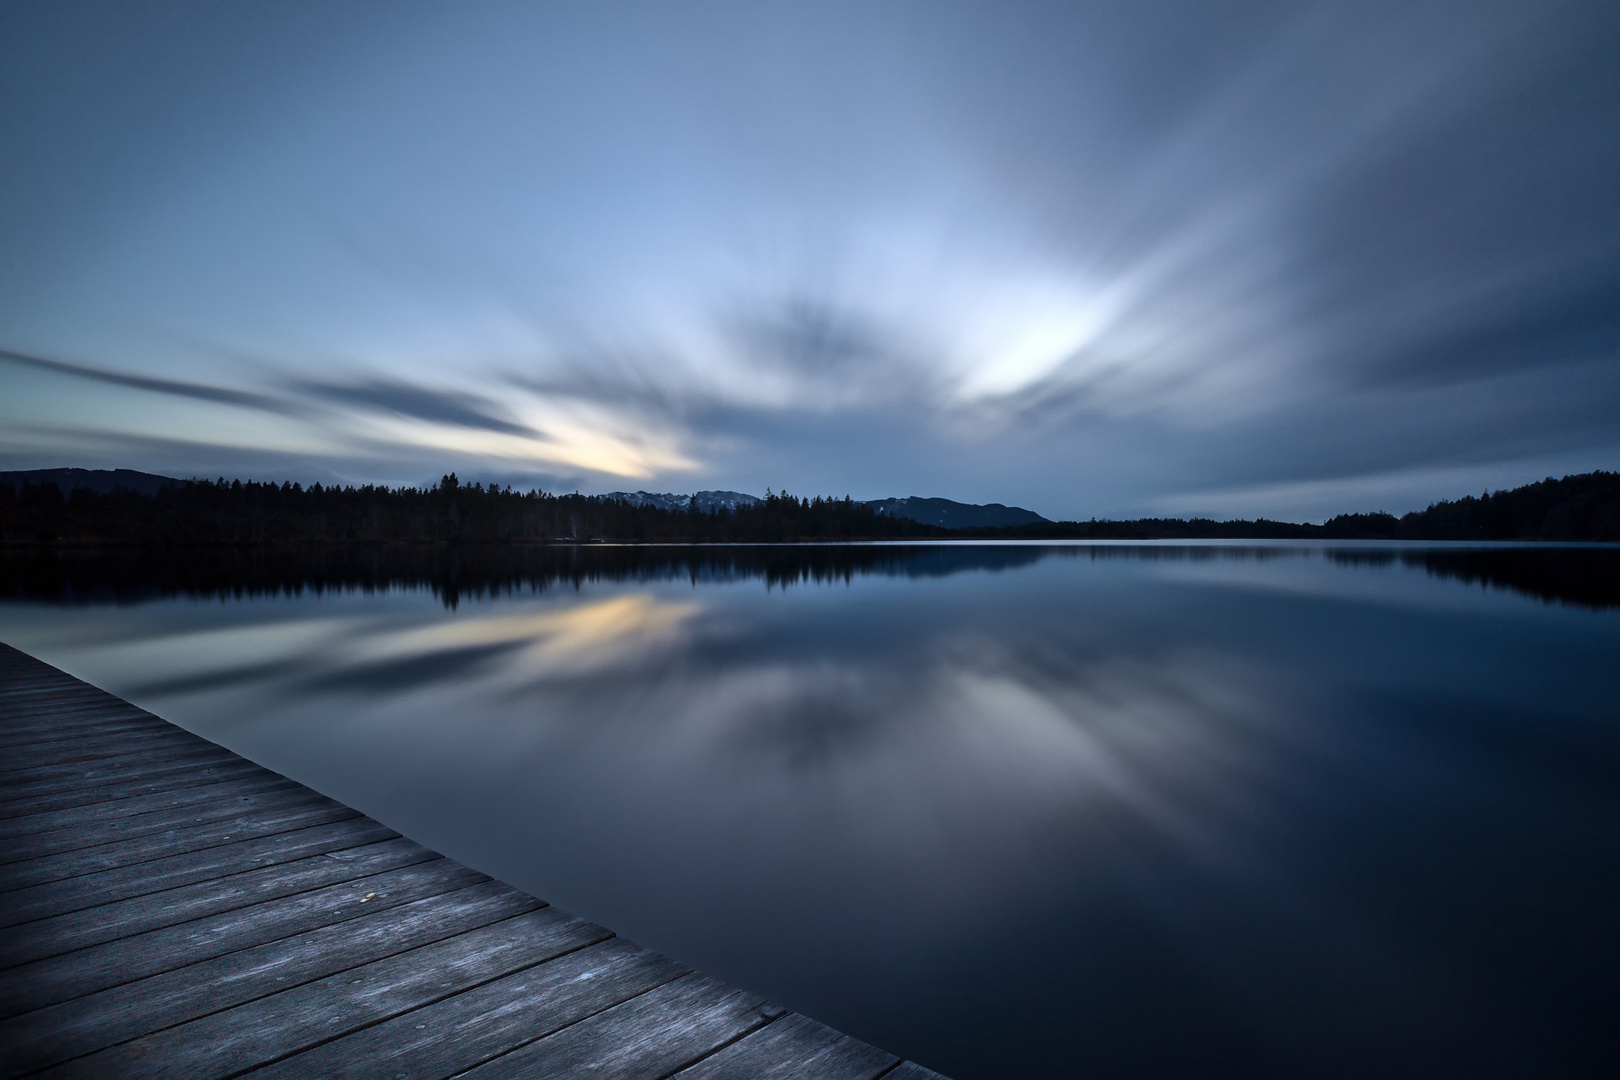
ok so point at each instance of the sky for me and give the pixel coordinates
(1095, 259)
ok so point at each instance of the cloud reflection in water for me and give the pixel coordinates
(1027, 809)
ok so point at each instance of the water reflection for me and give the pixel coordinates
(1005, 809)
(1587, 575)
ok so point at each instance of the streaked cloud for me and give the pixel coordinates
(1094, 260)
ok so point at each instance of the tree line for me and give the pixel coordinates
(215, 512)
(1584, 507)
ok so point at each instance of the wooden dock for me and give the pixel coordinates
(169, 908)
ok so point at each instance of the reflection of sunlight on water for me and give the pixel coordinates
(307, 658)
(951, 780)
(1146, 738)
(588, 637)
(151, 656)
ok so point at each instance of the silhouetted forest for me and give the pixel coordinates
(253, 514)
(1577, 508)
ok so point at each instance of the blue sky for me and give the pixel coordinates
(1093, 259)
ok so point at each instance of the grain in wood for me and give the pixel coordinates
(490, 1021)
(101, 791)
(107, 830)
(271, 1028)
(71, 777)
(60, 978)
(94, 1021)
(257, 822)
(123, 918)
(793, 1046)
(649, 1036)
(76, 817)
(210, 864)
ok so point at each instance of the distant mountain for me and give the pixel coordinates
(942, 512)
(954, 515)
(707, 501)
(100, 481)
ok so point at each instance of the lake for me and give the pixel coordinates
(1017, 809)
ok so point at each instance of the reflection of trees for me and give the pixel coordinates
(1585, 576)
(461, 571)
(474, 570)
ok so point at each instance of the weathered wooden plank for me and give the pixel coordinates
(123, 918)
(28, 707)
(96, 833)
(488, 1022)
(48, 778)
(29, 710)
(104, 813)
(21, 756)
(59, 687)
(32, 753)
(24, 701)
(48, 744)
(18, 713)
(189, 774)
(26, 704)
(124, 882)
(258, 822)
(47, 709)
(227, 1043)
(73, 775)
(651, 1035)
(51, 724)
(14, 659)
(45, 677)
(20, 761)
(793, 1046)
(61, 978)
(84, 1025)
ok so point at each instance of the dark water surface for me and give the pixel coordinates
(1102, 810)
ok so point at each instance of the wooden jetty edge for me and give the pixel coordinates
(169, 908)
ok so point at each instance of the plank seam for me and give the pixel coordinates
(157, 830)
(469, 988)
(244, 948)
(435, 856)
(211, 914)
(201, 880)
(278, 784)
(558, 1031)
(183, 780)
(353, 813)
(277, 990)
(767, 1022)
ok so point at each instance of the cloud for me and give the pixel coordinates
(406, 399)
(245, 399)
(1080, 258)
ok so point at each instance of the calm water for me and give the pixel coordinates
(1101, 810)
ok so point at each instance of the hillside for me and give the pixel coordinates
(100, 481)
(954, 515)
